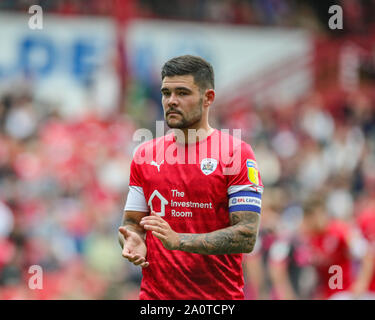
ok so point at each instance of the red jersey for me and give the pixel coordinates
(331, 248)
(194, 191)
(366, 222)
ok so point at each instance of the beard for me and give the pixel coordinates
(185, 121)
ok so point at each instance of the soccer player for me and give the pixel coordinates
(330, 246)
(194, 201)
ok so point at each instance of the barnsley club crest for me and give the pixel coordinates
(208, 165)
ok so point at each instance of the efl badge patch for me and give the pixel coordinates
(208, 165)
(252, 171)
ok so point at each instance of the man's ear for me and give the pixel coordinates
(209, 97)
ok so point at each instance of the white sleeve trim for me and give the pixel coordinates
(136, 200)
(245, 187)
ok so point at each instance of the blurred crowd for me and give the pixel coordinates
(62, 185)
(309, 14)
(310, 150)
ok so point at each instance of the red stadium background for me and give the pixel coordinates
(73, 94)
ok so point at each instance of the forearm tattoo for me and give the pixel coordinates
(240, 237)
(132, 225)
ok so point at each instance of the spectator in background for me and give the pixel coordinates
(329, 244)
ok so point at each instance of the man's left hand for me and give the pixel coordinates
(161, 230)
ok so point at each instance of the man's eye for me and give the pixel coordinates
(165, 94)
(182, 94)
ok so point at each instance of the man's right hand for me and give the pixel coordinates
(134, 248)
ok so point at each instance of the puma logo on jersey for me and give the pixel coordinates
(153, 163)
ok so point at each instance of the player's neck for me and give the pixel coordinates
(193, 135)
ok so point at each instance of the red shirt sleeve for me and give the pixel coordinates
(245, 171)
(135, 175)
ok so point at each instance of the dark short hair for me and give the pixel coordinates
(200, 69)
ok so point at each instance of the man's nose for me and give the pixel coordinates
(173, 101)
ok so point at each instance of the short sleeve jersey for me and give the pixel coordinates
(193, 187)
